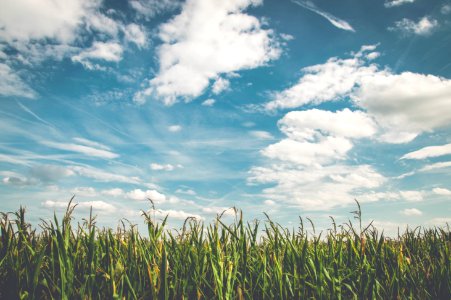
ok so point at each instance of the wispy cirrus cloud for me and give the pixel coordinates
(430, 151)
(12, 85)
(394, 3)
(87, 150)
(339, 23)
(103, 176)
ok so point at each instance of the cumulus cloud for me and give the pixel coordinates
(412, 196)
(47, 30)
(114, 192)
(140, 195)
(165, 167)
(136, 34)
(98, 206)
(403, 105)
(260, 134)
(174, 128)
(12, 85)
(412, 212)
(431, 151)
(315, 187)
(32, 20)
(318, 137)
(208, 38)
(219, 210)
(220, 85)
(441, 191)
(425, 26)
(330, 81)
(106, 51)
(341, 24)
(393, 3)
(177, 214)
(209, 102)
(307, 166)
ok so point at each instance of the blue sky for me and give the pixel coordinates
(285, 107)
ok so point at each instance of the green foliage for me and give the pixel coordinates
(219, 261)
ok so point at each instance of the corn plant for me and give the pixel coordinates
(258, 260)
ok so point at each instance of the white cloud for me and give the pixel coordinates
(103, 24)
(209, 102)
(12, 85)
(286, 37)
(207, 39)
(33, 20)
(436, 166)
(106, 51)
(186, 192)
(306, 153)
(150, 8)
(141, 195)
(439, 221)
(98, 206)
(49, 173)
(269, 202)
(103, 176)
(412, 212)
(218, 210)
(220, 85)
(175, 128)
(330, 81)
(341, 24)
(312, 124)
(315, 187)
(91, 143)
(307, 171)
(407, 104)
(176, 214)
(404, 105)
(446, 9)
(441, 191)
(431, 151)
(412, 196)
(84, 192)
(89, 151)
(115, 192)
(17, 180)
(319, 137)
(260, 134)
(393, 3)
(425, 26)
(166, 167)
(136, 34)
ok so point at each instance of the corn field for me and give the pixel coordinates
(259, 260)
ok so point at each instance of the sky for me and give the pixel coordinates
(293, 108)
